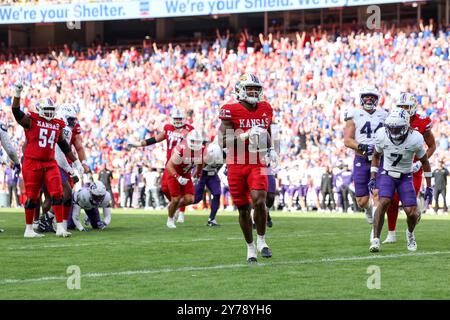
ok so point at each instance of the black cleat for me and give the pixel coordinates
(254, 226)
(266, 252)
(252, 260)
(269, 223)
(212, 224)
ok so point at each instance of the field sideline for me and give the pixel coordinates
(315, 256)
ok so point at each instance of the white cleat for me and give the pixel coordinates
(410, 241)
(252, 254)
(391, 237)
(170, 224)
(35, 225)
(32, 234)
(180, 217)
(369, 214)
(375, 245)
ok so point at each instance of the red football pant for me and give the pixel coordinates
(35, 174)
(176, 189)
(165, 187)
(242, 178)
(392, 211)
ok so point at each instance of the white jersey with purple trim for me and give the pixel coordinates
(366, 124)
(400, 158)
(6, 143)
(82, 198)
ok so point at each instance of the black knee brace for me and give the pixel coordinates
(57, 201)
(30, 204)
(68, 203)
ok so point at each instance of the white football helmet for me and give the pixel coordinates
(249, 89)
(177, 117)
(369, 97)
(98, 192)
(195, 140)
(214, 153)
(68, 113)
(408, 102)
(46, 109)
(397, 125)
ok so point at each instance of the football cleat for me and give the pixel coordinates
(32, 234)
(269, 223)
(36, 225)
(254, 226)
(375, 245)
(170, 224)
(251, 254)
(391, 237)
(410, 241)
(180, 217)
(264, 249)
(212, 223)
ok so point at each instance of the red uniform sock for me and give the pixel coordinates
(29, 216)
(392, 215)
(182, 209)
(66, 212)
(58, 210)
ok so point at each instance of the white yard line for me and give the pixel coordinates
(227, 266)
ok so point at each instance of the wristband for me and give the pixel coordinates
(374, 169)
(149, 142)
(17, 93)
(428, 174)
(244, 136)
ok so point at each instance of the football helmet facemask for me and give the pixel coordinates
(408, 102)
(98, 192)
(397, 125)
(177, 117)
(46, 109)
(249, 89)
(369, 97)
(195, 140)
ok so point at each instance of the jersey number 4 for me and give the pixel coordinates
(45, 139)
(368, 130)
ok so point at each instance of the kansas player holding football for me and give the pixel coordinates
(173, 133)
(43, 133)
(359, 134)
(399, 144)
(244, 131)
(423, 125)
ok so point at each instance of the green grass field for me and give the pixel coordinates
(315, 256)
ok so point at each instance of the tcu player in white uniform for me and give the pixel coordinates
(90, 199)
(6, 144)
(399, 144)
(360, 129)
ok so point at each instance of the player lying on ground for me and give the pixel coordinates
(423, 125)
(173, 132)
(245, 132)
(90, 199)
(43, 133)
(399, 144)
(10, 151)
(186, 155)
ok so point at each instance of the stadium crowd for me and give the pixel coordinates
(310, 79)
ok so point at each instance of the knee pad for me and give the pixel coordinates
(57, 201)
(30, 204)
(67, 203)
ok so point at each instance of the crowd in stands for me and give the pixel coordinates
(310, 79)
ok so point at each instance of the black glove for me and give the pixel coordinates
(367, 149)
(17, 169)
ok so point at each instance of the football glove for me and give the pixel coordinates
(416, 166)
(18, 87)
(78, 167)
(16, 169)
(428, 196)
(367, 149)
(182, 181)
(372, 185)
(272, 159)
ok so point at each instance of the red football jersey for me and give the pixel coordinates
(42, 137)
(244, 119)
(174, 136)
(186, 159)
(421, 124)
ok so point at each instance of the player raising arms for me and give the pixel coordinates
(173, 133)
(6, 144)
(42, 132)
(185, 156)
(244, 130)
(399, 144)
(408, 102)
(359, 134)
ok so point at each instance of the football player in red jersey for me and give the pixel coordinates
(245, 130)
(422, 124)
(185, 156)
(42, 132)
(173, 133)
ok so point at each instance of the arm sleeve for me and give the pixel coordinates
(348, 115)
(6, 144)
(62, 161)
(76, 216)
